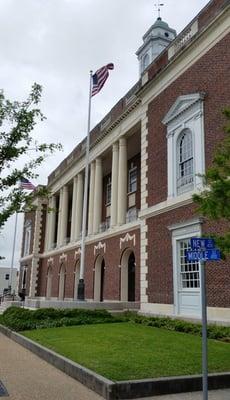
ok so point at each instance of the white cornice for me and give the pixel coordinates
(167, 206)
(95, 238)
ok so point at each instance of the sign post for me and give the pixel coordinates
(203, 249)
(204, 331)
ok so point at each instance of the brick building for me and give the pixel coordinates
(145, 157)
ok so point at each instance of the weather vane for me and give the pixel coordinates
(158, 6)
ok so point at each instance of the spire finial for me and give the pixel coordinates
(158, 6)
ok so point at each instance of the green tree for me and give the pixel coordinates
(214, 201)
(17, 122)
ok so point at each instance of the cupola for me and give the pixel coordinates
(156, 39)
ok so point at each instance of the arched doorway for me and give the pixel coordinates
(49, 282)
(99, 274)
(76, 278)
(61, 291)
(128, 276)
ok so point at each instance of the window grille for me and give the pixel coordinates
(108, 192)
(27, 241)
(189, 270)
(132, 180)
(185, 160)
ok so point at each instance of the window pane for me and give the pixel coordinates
(108, 192)
(133, 180)
(185, 161)
(189, 271)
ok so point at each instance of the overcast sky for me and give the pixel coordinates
(56, 43)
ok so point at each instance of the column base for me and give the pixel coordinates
(81, 290)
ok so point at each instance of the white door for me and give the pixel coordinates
(188, 282)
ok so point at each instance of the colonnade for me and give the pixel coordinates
(118, 200)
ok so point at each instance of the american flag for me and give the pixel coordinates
(26, 184)
(100, 77)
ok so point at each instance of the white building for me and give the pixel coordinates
(5, 279)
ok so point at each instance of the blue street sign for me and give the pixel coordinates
(203, 255)
(202, 243)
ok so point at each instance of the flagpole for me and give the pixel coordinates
(81, 284)
(13, 252)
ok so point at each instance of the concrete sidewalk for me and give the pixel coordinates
(27, 377)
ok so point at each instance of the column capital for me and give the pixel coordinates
(80, 176)
(122, 141)
(98, 161)
(115, 146)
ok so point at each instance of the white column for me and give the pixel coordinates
(171, 178)
(59, 219)
(79, 206)
(122, 182)
(97, 209)
(48, 223)
(115, 163)
(73, 215)
(64, 214)
(91, 198)
(51, 222)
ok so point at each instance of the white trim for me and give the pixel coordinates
(185, 114)
(116, 231)
(191, 228)
(99, 246)
(159, 309)
(128, 238)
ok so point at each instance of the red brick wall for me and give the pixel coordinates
(112, 257)
(210, 12)
(211, 74)
(218, 273)
(160, 262)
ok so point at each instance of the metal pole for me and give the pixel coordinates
(81, 284)
(204, 331)
(13, 252)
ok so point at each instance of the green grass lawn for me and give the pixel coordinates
(124, 351)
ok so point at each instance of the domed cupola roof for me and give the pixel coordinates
(155, 40)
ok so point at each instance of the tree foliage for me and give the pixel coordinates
(214, 201)
(17, 122)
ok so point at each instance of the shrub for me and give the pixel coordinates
(20, 319)
(213, 331)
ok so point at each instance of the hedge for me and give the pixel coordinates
(20, 319)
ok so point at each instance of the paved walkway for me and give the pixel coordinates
(27, 377)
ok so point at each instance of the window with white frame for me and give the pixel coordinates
(7, 277)
(108, 192)
(185, 171)
(27, 239)
(24, 276)
(132, 185)
(189, 270)
(146, 61)
(185, 144)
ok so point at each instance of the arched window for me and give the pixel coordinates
(185, 170)
(146, 61)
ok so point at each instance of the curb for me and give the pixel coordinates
(123, 389)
